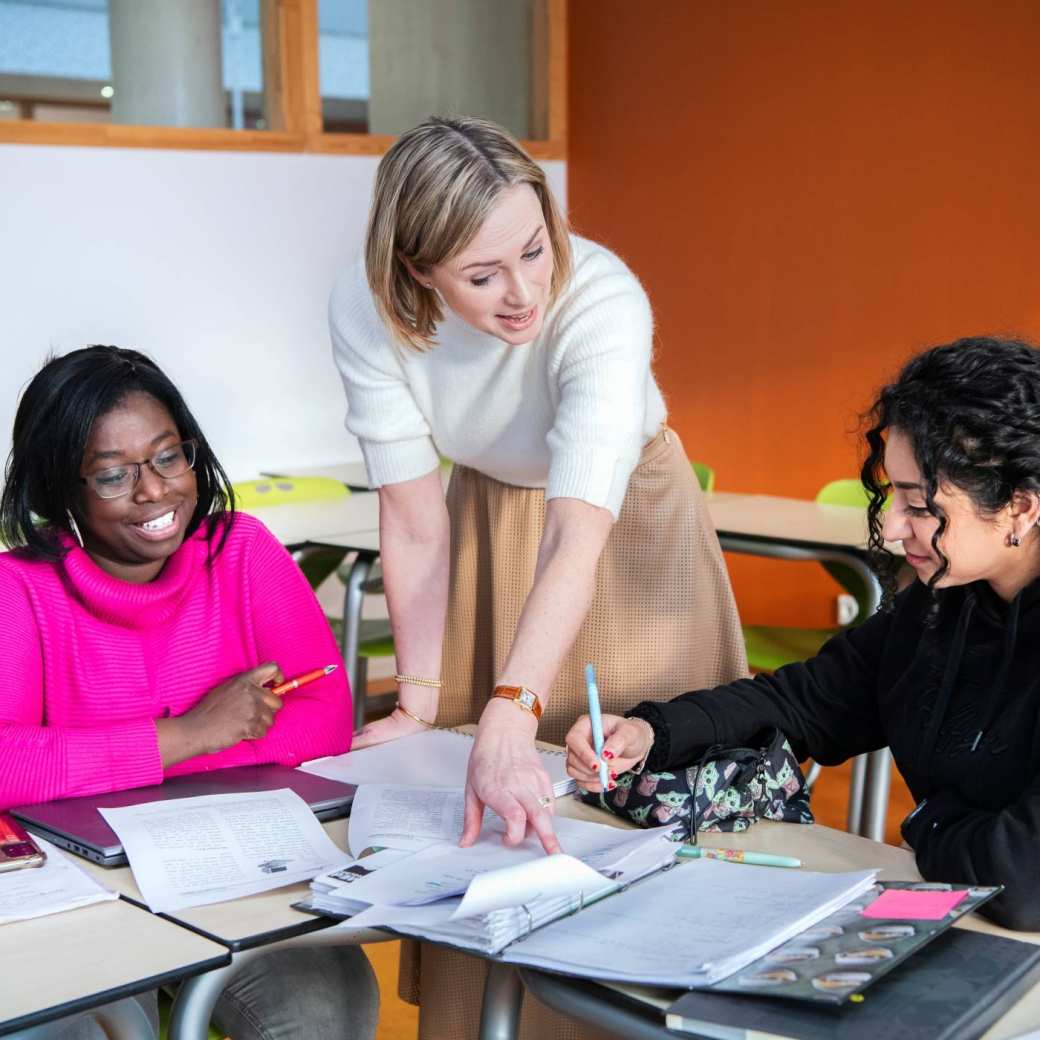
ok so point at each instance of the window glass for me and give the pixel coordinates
(386, 65)
(192, 63)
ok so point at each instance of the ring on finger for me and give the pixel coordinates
(545, 801)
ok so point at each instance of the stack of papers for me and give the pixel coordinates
(691, 926)
(483, 897)
(437, 758)
(574, 913)
(57, 886)
(196, 851)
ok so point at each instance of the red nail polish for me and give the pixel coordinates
(608, 754)
(611, 786)
(613, 776)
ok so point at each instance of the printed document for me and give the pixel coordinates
(56, 886)
(505, 890)
(195, 851)
(436, 758)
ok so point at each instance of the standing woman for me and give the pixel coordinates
(477, 327)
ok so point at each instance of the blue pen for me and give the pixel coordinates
(597, 723)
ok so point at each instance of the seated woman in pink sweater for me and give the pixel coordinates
(142, 618)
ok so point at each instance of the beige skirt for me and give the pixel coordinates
(662, 621)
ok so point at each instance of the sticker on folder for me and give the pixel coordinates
(908, 904)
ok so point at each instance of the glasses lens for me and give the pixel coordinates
(172, 462)
(114, 482)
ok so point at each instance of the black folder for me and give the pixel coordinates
(953, 989)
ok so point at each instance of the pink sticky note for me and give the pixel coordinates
(908, 904)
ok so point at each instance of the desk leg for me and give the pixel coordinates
(878, 778)
(353, 599)
(857, 785)
(503, 999)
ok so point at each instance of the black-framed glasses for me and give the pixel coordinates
(116, 481)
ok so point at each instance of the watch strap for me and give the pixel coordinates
(522, 696)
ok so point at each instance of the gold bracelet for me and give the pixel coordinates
(416, 680)
(415, 718)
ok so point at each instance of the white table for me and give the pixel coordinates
(70, 962)
(796, 529)
(320, 523)
(819, 848)
(241, 928)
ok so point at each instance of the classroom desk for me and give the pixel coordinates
(763, 525)
(243, 928)
(320, 523)
(796, 529)
(70, 962)
(350, 524)
(353, 474)
(820, 848)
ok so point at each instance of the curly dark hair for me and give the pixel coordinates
(971, 411)
(51, 428)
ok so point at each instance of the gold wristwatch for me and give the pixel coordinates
(527, 699)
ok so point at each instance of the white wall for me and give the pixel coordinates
(216, 264)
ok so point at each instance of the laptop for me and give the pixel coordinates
(75, 823)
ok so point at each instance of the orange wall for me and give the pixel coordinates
(810, 191)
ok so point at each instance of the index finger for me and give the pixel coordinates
(579, 742)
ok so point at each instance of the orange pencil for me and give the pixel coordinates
(302, 680)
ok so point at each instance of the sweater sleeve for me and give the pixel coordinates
(381, 410)
(290, 628)
(39, 762)
(603, 344)
(953, 841)
(826, 706)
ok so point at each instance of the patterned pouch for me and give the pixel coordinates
(727, 790)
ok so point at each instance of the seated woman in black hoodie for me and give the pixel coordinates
(947, 674)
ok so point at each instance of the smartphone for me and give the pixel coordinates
(17, 849)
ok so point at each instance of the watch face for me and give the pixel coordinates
(526, 698)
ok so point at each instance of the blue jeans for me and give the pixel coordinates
(317, 992)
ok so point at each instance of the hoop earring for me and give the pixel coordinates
(74, 527)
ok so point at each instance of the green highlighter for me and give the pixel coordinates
(758, 859)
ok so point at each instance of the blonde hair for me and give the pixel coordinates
(434, 189)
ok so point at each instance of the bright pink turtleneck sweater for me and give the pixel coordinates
(88, 662)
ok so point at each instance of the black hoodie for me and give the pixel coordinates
(957, 704)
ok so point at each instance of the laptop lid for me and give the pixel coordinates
(75, 823)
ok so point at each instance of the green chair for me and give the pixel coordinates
(769, 646)
(705, 476)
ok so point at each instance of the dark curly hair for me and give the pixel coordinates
(971, 411)
(51, 428)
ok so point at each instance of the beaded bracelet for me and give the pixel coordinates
(416, 680)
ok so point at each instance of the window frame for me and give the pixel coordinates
(292, 99)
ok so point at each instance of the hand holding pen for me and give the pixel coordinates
(625, 744)
(241, 708)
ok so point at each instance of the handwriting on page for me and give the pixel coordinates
(908, 904)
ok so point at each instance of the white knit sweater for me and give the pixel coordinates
(570, 411)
